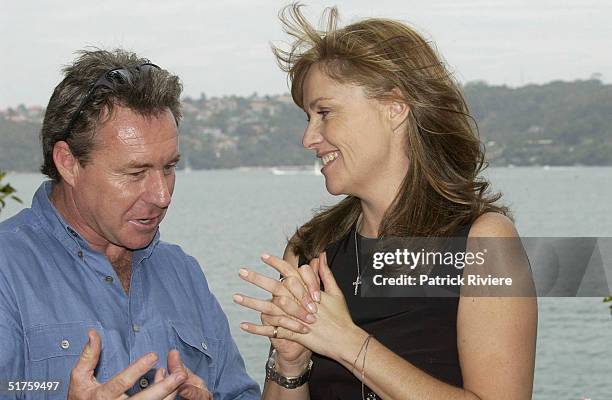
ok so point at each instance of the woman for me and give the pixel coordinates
(394, 134)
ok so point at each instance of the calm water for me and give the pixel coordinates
(227, 218)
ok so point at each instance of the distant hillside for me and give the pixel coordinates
(560, 123)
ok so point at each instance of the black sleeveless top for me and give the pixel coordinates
(422, 330)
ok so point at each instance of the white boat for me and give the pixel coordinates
(298, 170)
(187, 168)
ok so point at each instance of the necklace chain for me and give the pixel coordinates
(357, 281)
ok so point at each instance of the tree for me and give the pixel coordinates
(608, 299)
(6, 190)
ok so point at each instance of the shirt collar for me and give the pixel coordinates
(53, 222)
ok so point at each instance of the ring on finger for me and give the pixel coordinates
(275, 334)
(282, 278)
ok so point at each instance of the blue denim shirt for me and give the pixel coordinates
(54, 287)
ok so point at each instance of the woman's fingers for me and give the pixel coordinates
(272, 286)
(310, 277)
(329, 282)
(295, 309)
(299, 291)
(265, 319)
(279, 305)
(286, 327)
(262, 306)
(261, 330)
(314, 264)
(290, 295)
(282, 266)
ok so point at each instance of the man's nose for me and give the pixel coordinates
(159, 190)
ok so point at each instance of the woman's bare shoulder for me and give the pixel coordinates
(492, 224)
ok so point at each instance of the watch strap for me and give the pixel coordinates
(288, 382)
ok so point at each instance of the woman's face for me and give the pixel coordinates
(353, 136)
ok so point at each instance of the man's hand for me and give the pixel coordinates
(84, 386)
(194, 387)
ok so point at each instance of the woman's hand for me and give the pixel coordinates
(333, 321)
(302, 283)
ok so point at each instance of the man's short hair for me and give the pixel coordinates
(147, 93)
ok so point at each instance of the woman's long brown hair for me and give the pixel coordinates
(442, 188)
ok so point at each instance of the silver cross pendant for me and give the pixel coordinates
(356, 284)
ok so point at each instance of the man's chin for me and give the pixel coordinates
(138, 241)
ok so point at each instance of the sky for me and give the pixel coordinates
(223, 47)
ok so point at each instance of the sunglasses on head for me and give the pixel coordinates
(110, 79)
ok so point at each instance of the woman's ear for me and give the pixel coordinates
(398, 110)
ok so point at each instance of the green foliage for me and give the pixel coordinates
(20, 148)
(6, 191)
(606, 300)
(240, 135)
(559, 123)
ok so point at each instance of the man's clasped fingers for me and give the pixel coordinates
(194, 388)
(177, 379)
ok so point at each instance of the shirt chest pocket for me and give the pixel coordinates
(198, 352)
(53, 350)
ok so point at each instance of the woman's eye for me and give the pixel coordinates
(322, 113)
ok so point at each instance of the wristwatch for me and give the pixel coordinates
(288, 382)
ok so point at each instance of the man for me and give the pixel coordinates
(89, 295)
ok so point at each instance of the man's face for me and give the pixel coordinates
(123, 193)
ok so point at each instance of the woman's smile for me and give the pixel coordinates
(328, 158)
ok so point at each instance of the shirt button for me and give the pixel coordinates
(204, 346)
(109, 279)
(80, 254)
(136, 328)
(144, 382)
(65, 344)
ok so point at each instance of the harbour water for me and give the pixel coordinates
(227, 218)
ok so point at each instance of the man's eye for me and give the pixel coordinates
(136, 174)
(169, 168)
(323, 113)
